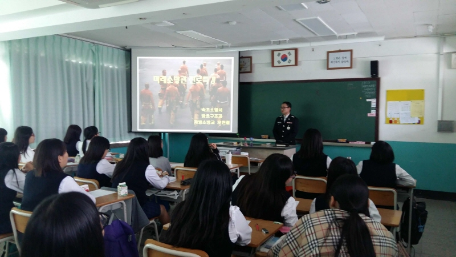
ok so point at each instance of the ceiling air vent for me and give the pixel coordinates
(95, 4)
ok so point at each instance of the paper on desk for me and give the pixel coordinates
(172, 179)
(175, 164)
(101, 192)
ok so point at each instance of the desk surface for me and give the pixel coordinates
(255, 145)
(259, 237)
(303, 205)
(111, 198)
(177, 186)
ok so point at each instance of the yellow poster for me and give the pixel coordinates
(405, 106)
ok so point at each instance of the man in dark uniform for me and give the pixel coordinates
(286, 126)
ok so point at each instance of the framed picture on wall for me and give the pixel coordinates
(284, 57)
(245, 64)
(341, 59)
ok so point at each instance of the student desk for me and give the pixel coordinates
(260, 150)
(114, 201)
(390, 218)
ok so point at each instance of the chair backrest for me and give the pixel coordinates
(383, 196)
(153, 248)
(309, 185)
(241, 159)
(187, 172)
(93, 183)
(19, 219)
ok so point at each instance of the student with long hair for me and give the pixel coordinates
(72, 139)
(11, 182)
(64, 225)
(89, 133)
(206, 220)
(156, 157)
(23, 137)
(381, 171)
(137, 173)
(48, 178)
(200, 150)
(94, 165)
(3, 135)
(344, 230)
(263, 195)
(310, 160)
(340, 166)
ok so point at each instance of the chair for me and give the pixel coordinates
(157, 249)
(19, 219)
(241, 159)
(185, 172)
(309, 185)
(93, 183)
(151, 221)
(7, 238)
(383, 196)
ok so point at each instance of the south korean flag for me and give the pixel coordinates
(284, 58)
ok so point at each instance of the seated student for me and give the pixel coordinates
(200, 150)
(338, 167)
(381, 171)
(23, 137)
(11, 182)
(64, 225)
(263, 196)
(48, 178)
(137, 173)
(156, 157)
(89, 133)
(72, 138)
(94, 165)
(206, 220)
(344, 230)
(310, 160)
(3, 135)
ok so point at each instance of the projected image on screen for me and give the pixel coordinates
(185, 93)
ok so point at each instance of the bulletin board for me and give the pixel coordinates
(405, 107)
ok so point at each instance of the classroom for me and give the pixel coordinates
(89, 62)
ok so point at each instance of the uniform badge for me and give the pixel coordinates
(288, 128)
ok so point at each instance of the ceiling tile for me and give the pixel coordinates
(353, 18)
(425, 5)
(422, 30)
(426, 17)
(314, 6)
(447, 7)
(346, 7)
(362, 27)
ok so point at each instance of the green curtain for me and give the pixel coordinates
(55, 81)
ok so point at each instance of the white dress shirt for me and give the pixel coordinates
(69, 185)
(403, 178)
(15, 180)
(239, 230)
(373, 211)
(154, 179)
(288, 211)
(105, 167)
(28, 155)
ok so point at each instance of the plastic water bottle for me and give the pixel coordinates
(251, 141)
(77, 159)
(228, 157)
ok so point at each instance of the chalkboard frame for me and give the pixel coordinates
(377, 80)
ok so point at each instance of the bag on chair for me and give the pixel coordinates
(119, 240)
(419, 218)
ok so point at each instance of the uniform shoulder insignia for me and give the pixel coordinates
(292, 116)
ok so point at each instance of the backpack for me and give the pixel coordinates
(419, 218)
(119, 240)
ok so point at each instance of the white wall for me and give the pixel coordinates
(403, 64)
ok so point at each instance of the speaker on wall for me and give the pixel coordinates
(374, 69)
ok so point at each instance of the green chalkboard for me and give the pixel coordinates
(339, 108)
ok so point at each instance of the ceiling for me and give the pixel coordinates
(257, 21)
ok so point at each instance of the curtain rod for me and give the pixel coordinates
(93, 42)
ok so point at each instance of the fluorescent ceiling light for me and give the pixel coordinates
(293, 7)
(164, 24)
(201, 37)
(316, 26)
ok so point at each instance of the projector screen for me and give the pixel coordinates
(182, 91)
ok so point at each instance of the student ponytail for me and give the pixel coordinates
(351, 193)
(89, 133)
